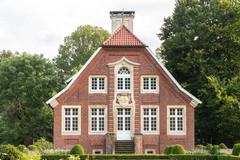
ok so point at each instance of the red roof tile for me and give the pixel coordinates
(123, 37)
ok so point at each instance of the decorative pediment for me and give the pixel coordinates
(123, 61)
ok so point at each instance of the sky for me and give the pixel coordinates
(39, 26)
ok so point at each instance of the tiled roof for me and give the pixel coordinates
(123, 37)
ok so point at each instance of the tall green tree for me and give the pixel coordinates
(78, 47)
(201, 42)
(26, 82)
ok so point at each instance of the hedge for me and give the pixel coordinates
(142, 157)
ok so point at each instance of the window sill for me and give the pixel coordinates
(70, 133)
(97, 133)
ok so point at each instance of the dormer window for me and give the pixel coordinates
(123, 79)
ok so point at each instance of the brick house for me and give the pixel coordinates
(123, 100)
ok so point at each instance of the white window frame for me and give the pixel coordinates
(151, 150)
(97, 90)
(78, 132)
(90, 132)
(97, 150)
(124, 77)
(156, 91)
(157, 119)
(176, 132)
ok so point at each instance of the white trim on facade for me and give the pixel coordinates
(74, 77)
(78, 132)
(150, 90)
(157, 120)
(197, 101)
(90, 90)
(90, 132)
(184, 131)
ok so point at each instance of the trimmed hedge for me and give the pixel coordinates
(236, 149)
(142, 157)
(55, 156)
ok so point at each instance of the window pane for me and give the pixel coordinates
(67, 123)
(127, 124)
(101, 83)
(75, 111)
(67, 111)
(123, 70)
(179, 111)
(94, 83)
(146, 123)
(153, 123)
(179, 123)
(94, 123)
(101, 124)
(153, 83)
(127, 83)
(120, 123)
(145, 83)
(172, 111)
(127, 111)
(120, 83)
(172, 124)
(101, 111)
(153, 111)
(145, 111)
(75, 123)
(94, 111)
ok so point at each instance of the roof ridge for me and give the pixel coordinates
(119, 38)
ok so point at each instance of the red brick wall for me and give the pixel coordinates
(168, 95)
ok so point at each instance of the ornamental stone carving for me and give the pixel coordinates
(124, 99)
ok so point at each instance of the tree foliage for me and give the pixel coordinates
(201, 47)
(78, 47)
(26, 82)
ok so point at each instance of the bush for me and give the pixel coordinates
(77, 149)
(236, 149)
(215, 150)
(168, 150)
(32, 147)
(200, 146)
(55, 157)
(178, 149)
(42, 144)
(209, 147)
(9, 152)
(222, 146)
(22, 148)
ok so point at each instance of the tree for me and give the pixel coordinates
(78, 47)
(26, 82)
(201, 40)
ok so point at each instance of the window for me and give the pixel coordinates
(123, 79)
(71, 120)
(176, 120)
(97, 151)
(97, 84)
(97, 119)
(150, 151)
(149, 84)
(150, 119)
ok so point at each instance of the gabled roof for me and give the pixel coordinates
(123, 37)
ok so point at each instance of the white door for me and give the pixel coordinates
(123, 124)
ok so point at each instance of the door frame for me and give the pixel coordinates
(132, 119)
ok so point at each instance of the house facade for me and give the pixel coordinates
(123, 100)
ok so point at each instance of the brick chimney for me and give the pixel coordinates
(120, 18)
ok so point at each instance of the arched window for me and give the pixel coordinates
(123, 79)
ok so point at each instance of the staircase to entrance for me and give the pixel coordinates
(124, 147)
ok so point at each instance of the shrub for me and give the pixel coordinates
(32, 147)
(215, 150)
(77, 149)
(22, 148)
(200, 146)
(236, 149)
(42, 144)
(209, 147)
(9, 152)
(168, 150)
(222, 146)
(178, 149)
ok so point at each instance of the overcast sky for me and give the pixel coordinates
(39, 26)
